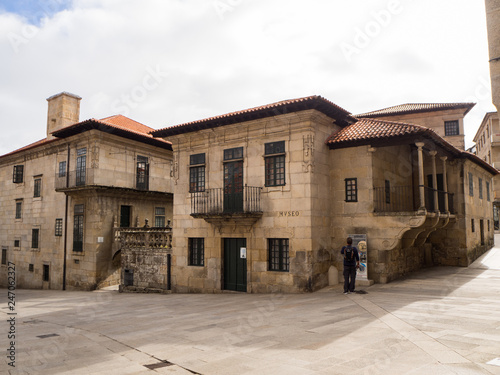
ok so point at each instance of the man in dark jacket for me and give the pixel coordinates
(351, 263)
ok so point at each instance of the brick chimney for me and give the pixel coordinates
(64, 110)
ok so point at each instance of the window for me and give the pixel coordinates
(35, 233)
(4, 256)
(451, 128)
(45, 272)
(17, 243)
(471, 185)
(19, 208)
(274, 154)
(278, 254)
(18, 174)
(31, 267)
(473, 228)
(59, 227)
(78, 228)
(387, 191)
(488, 198)
(37, 191)
(81, 166)
(142, 173)
(62, 169)
(197, 173)
(196, 251)
(351, 189)
(159, 216)
(480, 188)
(233, 153)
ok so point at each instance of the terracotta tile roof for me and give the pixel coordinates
(417, 108)
(127, 123)
(41, 142)
(317, 102)
(371, 129)
(118, 125)
(382, 133)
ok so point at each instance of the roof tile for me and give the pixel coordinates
(416, 108)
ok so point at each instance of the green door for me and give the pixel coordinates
(235, 264)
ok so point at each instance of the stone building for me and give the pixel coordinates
(265, 197)
(487, 141)
(493, 24)
(446, 119)
(65, 197)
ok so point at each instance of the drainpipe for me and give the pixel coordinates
(66, 222)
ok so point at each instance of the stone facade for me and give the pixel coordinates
(78, 184)
(493, 24)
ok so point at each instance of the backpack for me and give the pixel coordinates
(348, 253)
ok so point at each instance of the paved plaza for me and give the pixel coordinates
(438, 321)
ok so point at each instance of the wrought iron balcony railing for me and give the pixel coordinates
(406, 199)
(221, 202)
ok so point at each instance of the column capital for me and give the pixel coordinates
(433, 153)
(419, 144)
(443, 158)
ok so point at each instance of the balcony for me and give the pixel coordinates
(90, 177)
(143, 238)
(405, 199)
(215, 204)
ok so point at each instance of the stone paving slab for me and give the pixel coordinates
(437, 321)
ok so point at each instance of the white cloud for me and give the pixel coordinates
(254, 53)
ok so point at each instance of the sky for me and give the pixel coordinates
(166, 62)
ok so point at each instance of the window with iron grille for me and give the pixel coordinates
(233, 153)
(471, 185)
(4, 256)
(46, 272)
(196, 251)
(78, 228)
(19, 208)
(351, 189)
(59, 227)
(488, 198)
(480, 188)
(279, 259)
(37, 191)
(18, 174)
(387, 191)
(451, 128)
(35, 234)
(197, 173)
(159, 216)
(62, 169)
(274, 158)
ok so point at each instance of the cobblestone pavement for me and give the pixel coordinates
(437, 321)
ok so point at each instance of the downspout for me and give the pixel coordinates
(66, 222)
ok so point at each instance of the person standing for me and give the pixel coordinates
(351, 263)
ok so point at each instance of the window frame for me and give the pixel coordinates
(471, 184)
(160, 217)
(278, 250)
(35, 238)
(351, 189)
(58, 229)
(4, 256)
(197, 172)
(274, 163)
(37, 187)
(451, 128)
(18, 174)
(196, 251)
(62, 169)
(78, 227)
(488, 196)
(480, 187)
(19, 209)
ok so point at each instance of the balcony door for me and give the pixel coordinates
(81, 166)
(233, 186)
(125, 214)
(142, 180)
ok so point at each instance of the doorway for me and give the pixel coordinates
(235, 264)
(125, 213)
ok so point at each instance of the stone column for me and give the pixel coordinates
(421, 175)
(445, 184)
(434, 180)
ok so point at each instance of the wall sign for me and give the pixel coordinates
(288, 213)
(243, 252)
